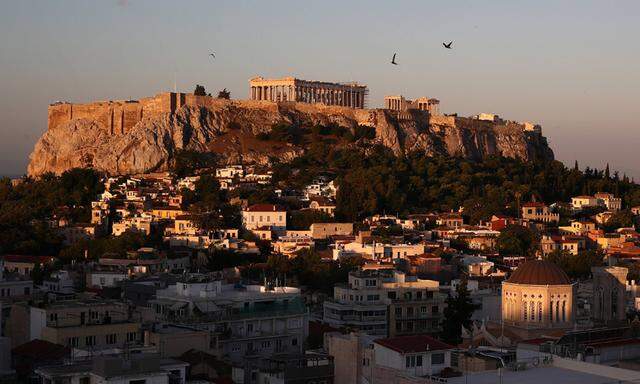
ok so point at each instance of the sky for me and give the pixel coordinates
(571, 66)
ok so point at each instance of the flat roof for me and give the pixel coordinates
(532, 376)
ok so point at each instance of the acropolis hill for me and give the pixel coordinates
(135, 136)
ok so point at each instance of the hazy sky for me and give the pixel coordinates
(571, 66)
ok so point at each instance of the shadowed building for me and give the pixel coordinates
(609, 290)
(291, 89)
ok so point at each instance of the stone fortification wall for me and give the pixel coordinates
(119, 116)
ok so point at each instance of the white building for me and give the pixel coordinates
(367, 300)
(251, 319)
(416, 355)
(58, 282)
(104, 279)
(230, 171)
(265, 215)
(136, 369)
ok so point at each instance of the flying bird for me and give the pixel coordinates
(393, 60)
(212, 55)
(448, 46)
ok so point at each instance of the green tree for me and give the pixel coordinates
(516, 240)
(577, 266)
(457, 314)
(200, 91)
(224, 94)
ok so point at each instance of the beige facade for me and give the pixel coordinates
(93, 336)
(538, 306)
(399, 103)
(82, 323)
(174, 340)
(291, 89)
(609, 290)
(324, 230)
(264, 216)
(539, 212)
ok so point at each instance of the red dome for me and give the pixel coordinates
(539, 272)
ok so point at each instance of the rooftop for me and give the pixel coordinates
(413, 344)
(27, 259)
(539, 272)
(265, 208)
(547, 374)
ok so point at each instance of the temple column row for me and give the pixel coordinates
(272, 92)
(346, 98)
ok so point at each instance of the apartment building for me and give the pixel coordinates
(384, 302)
(540, 212)
(243, 320)
(83, 323)
(270, 216)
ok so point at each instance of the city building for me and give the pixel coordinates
(536, 211)
(417, 355)
(265, 215)
(352, 356)
(600, 199)
(324, 230)
(309, 368)
(243, 320)
(134, 369)
(571, 244)
(13, 285)
(58, 282)
(608, 200)
(385, 302)
(352, 95)
(82, 323)
(24, 264)
(609, 295)
(173, 340)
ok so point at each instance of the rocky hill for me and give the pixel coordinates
(126, 138)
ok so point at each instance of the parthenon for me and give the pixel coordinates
(291, 89)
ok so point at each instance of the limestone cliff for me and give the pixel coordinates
(125, 138)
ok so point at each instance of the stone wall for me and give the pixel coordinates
(119, 116)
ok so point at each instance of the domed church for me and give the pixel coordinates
(538, 295)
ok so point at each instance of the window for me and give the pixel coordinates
(85, 380)
(90, 341)
(391, 294)
(419, 361)
(249, 327)
(423, 309)
(398, 311)
(437, 358)
(266, 344)
(294, 341)
(111, 338)
(27, 290)
(131, 336)
(410, 361)
(73, 341)
(434, 309)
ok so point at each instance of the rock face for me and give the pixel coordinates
(150, 141)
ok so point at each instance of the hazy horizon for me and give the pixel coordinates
(569, 67)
